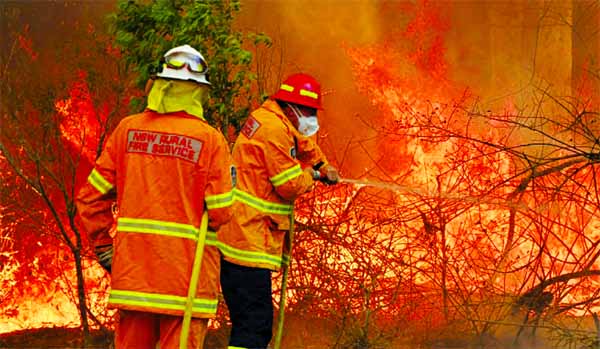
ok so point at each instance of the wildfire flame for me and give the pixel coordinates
(52, 302)
(446, 222)
(417, 152)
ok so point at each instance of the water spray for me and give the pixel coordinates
(382, 185)
(427, 194)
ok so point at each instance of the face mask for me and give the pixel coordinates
(307, 125)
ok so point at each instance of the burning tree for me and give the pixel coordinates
(470, 220)
(476, 216)
(55, 117)
(494, 215)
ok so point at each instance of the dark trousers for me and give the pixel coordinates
(247, 292)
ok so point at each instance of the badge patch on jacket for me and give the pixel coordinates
(250, 127)
(164, 144)
(233, 173)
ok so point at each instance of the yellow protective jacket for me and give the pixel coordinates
(267, 157)
(162, 170)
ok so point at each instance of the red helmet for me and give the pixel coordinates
(300, 89)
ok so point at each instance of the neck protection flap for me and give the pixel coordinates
(168, 96)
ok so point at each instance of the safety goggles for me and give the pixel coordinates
(301, 110)
(198, 66)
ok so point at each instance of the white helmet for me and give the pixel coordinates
(184, 63)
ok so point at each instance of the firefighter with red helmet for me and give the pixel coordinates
(275, 161)
(164, 168)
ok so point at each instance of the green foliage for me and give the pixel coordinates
(146, 30)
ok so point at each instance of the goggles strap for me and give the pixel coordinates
(177, 64)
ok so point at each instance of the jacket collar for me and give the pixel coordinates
(180, 113)
(272, 106)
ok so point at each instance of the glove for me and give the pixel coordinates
(105, 255)
(330, 175)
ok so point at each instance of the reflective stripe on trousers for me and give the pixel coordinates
(161, 301)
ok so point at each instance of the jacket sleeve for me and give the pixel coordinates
(284, 171)
(309, 152)
(95, 198)
(218, 194)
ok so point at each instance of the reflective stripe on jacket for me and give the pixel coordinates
(269, 178)
(162, 170)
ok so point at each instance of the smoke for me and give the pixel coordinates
(335, 41)
(502, 52)
(312, 37)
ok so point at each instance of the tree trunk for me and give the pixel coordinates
(81, 295)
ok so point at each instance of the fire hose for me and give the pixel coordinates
(322, 177)
(284, 277)
(187, 316)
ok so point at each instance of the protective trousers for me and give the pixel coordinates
(247, 292)
(140, 330)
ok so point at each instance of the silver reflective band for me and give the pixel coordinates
(260, 204)
(219, 200)
(249, 256)
(286, 175)
(138, 225)
(160, 301)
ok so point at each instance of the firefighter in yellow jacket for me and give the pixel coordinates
(163, 167)
(269, 156)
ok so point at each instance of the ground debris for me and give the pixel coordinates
(57, 337)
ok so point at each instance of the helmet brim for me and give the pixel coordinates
(183, 75)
